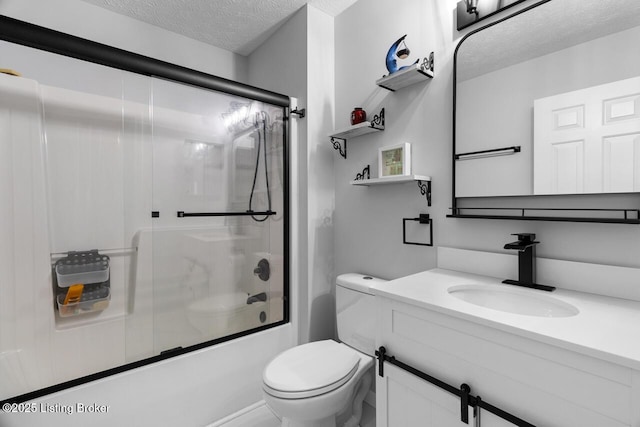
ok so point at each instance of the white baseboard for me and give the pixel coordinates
(238, 414)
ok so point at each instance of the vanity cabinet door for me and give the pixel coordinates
(543, 384)
(404, 400)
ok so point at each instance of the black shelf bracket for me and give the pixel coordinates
(425, 190)
(428, 64)
(463, 392)
(422, 219)
(377, 122)
(365, 174)
(342, 148)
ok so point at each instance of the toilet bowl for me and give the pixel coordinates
(226, 314)
(314, 384)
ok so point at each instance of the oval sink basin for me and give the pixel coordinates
(513, 300)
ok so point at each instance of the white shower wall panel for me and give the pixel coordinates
(25, 308)
(85, 147)
(64, 156)
(87, 153)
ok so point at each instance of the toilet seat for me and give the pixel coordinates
(310, 370)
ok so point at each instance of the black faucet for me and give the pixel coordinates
(526, 247)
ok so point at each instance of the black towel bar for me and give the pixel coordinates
(183, 214)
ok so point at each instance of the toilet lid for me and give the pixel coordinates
(311, 369)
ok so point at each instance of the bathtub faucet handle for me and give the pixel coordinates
(263, 270)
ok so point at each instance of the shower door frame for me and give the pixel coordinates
(45, 39)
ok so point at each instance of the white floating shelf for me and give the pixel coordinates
(339, 137)
(424, 182)
(411, 75)
(356, 130)
(391, 180)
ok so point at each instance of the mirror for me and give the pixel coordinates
(547, 102)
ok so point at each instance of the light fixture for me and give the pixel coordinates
(472, 6)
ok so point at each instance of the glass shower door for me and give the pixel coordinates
(217, 268)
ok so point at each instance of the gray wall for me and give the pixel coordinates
(368, 221)
(297, 60)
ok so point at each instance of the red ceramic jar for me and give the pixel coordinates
(358, 115)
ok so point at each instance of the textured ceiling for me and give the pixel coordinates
(235, 25)
(548, 28)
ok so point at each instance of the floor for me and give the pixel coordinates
(368, 416)
(259, 415)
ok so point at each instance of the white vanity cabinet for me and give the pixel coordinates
(404, 400)
(542, 383)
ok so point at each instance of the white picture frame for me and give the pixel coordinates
(394, 160)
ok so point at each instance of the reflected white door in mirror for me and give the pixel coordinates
(588, 140)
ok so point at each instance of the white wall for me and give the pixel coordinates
(297, 60)
(368, 228)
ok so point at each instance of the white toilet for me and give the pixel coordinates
(311, 384)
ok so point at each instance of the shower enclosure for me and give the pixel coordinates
(143, 211)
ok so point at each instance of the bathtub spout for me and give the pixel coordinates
(258, 297)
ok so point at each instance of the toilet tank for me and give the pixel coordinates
(355, 311)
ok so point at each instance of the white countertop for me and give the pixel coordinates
(606, 328)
